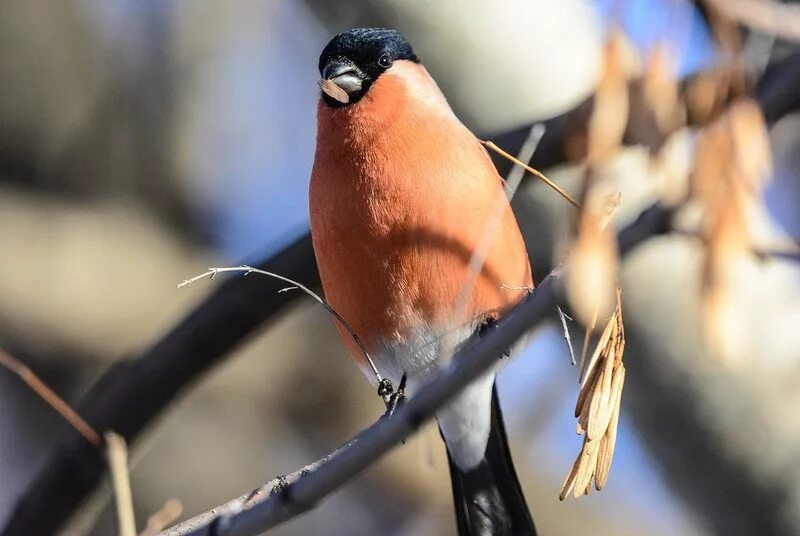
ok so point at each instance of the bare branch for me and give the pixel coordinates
(49, 396)
(117, 453)
(247, 500)
(247, 516)
(477, 356)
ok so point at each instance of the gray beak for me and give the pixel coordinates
(343, 75)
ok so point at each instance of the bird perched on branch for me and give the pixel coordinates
(402, 196)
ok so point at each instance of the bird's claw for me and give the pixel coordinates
(393, 399)
(386, 390)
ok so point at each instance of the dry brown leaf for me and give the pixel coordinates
(750, 142)
(585, 350)
(600, 399)
(585, 469)
(601, 344)
(597, 409)
(620, 348)
(701, 97)
(732, 165)
(713, 157)
(727, 249)
(603, 418)
(610, 113)
(735, 148)
(660, 88)
(593, 260)
(583, 414)
(569, 482)
(606, 454)
(610, 204)
(620, 342)
(602, 457)
(600, 409)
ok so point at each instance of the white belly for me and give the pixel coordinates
(465, 420)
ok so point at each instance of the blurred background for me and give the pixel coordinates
(142, 142)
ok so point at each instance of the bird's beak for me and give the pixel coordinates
(339, 79)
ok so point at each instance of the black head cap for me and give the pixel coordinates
(353, 60)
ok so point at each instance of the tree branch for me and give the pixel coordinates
(478, 355)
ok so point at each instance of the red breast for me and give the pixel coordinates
(401, 193)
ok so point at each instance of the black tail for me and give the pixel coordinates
(488, 499)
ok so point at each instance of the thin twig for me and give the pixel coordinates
(536, 173)
(49, 396)
(516, 288)
(211, 273)
(117, 453)
(163, 518)
(563, 316)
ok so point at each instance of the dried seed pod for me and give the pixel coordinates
(601, 344)
(334, 91)
(610, 113)
(606, 453)
(585, 350)
(597, 409)
(593, 259)
(600, 476)
(660, 88)
(583, 414)
(569, 482)
(750, 140)
(588, 462)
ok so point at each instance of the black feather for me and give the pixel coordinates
(369, 51)
(488, 499)
(365, 46)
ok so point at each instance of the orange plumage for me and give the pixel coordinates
(401, 193)
(402, 197)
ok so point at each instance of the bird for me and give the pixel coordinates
(401, 196)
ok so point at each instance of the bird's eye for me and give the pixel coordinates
(384, 61)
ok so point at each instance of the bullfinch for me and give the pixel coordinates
(401, 196)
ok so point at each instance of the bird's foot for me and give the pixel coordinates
(397, 399)
(392, 399)
(385, 390)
